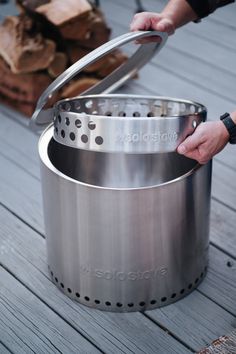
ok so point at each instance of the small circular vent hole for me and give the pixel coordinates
(99, 140)
(78, 123)
(72, 136)
(84, 138)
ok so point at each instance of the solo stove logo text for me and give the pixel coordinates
(145, 137)
(118, 275)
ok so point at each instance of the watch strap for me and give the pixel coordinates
(230, 126)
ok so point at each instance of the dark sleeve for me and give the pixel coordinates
(204, 7)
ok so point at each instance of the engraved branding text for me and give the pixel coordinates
(118, 275)
(145, 137)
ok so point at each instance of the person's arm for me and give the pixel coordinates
(211, 137)
(176, 13)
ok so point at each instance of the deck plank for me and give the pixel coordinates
(112, 332)
(19, 144)
(219, 284)
(195, 319)
(21, 193)
(223, 186)
(29, 326)
(222, 227)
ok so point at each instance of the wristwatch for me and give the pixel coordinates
(230, 126)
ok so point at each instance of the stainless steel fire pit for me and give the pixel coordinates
(126, 217)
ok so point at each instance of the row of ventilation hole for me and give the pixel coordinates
(124, 114)
(67, 107)
(78, 123)
(91, 124)
(84, 138)
(131, 304)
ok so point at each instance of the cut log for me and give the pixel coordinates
(70, 14)
(60, 12)
(113, 61)
(76, 52)
(101, 67)
(24, 107)
(24, 50)
(78, 29)
(97, 32)
(22, 87)
(76, 87)
(87, 30)
(58, 65)
(40, 43)
(41, 23)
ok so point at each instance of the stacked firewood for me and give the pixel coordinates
(42, 41)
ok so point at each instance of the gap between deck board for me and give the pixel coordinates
(4, 349)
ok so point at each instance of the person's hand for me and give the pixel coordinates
(207, 140)
(145, 21)
(175, 14)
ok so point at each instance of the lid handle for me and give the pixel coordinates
(118, 77)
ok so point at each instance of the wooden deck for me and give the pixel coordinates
(197, 63)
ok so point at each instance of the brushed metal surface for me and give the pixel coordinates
(129, 248)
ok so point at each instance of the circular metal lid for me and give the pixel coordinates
(42, 117)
